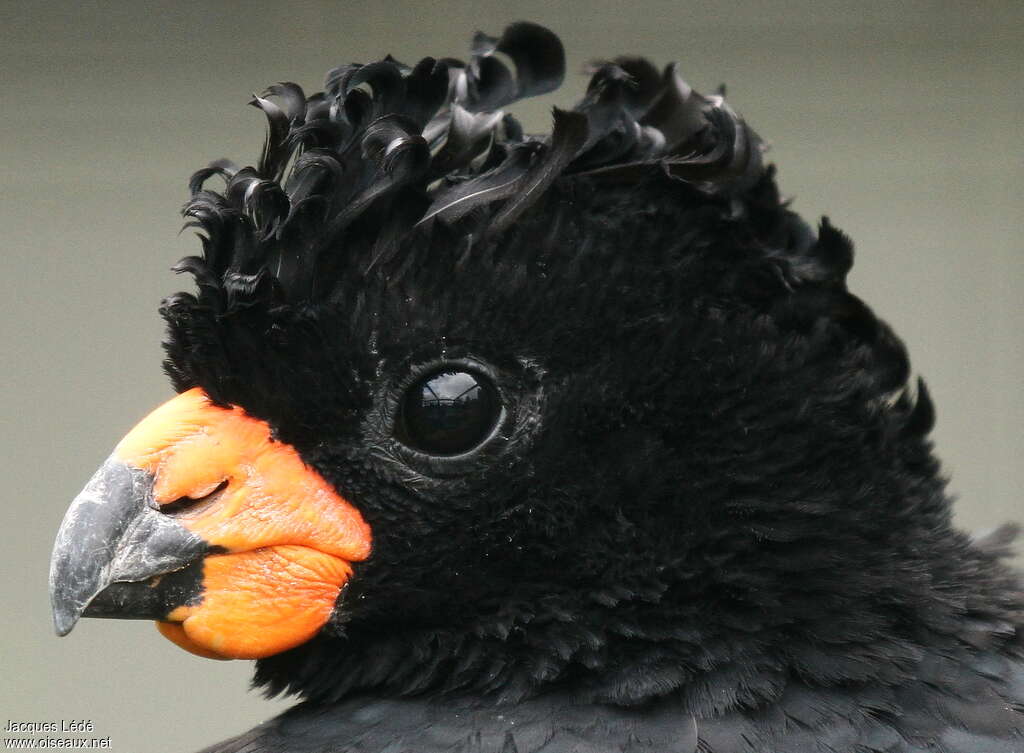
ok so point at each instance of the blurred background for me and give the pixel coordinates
(901, 121)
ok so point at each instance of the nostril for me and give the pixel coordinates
(185, 505)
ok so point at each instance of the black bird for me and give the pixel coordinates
(496, 442)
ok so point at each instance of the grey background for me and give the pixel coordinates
(901, 121)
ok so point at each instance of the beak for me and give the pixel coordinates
(114, 544)
(202, 521)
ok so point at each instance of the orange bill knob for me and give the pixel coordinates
(253, 548)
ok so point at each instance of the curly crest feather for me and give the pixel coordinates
(388, 150)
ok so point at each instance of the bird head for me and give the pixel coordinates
(459, 406)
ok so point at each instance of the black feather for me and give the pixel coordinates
(567, 138)
(498, 183)
(433, 131)
(538, 58)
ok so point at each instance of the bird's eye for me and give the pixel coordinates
(448, 412)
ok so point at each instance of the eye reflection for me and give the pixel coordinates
(448, 412)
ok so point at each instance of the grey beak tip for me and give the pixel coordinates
(112, 540)
(63, 622)
(62, 627)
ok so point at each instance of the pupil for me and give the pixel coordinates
(449, 412)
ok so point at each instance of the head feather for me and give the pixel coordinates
(386, 151)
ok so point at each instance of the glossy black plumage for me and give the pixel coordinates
(912, 719)
(713, 521)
